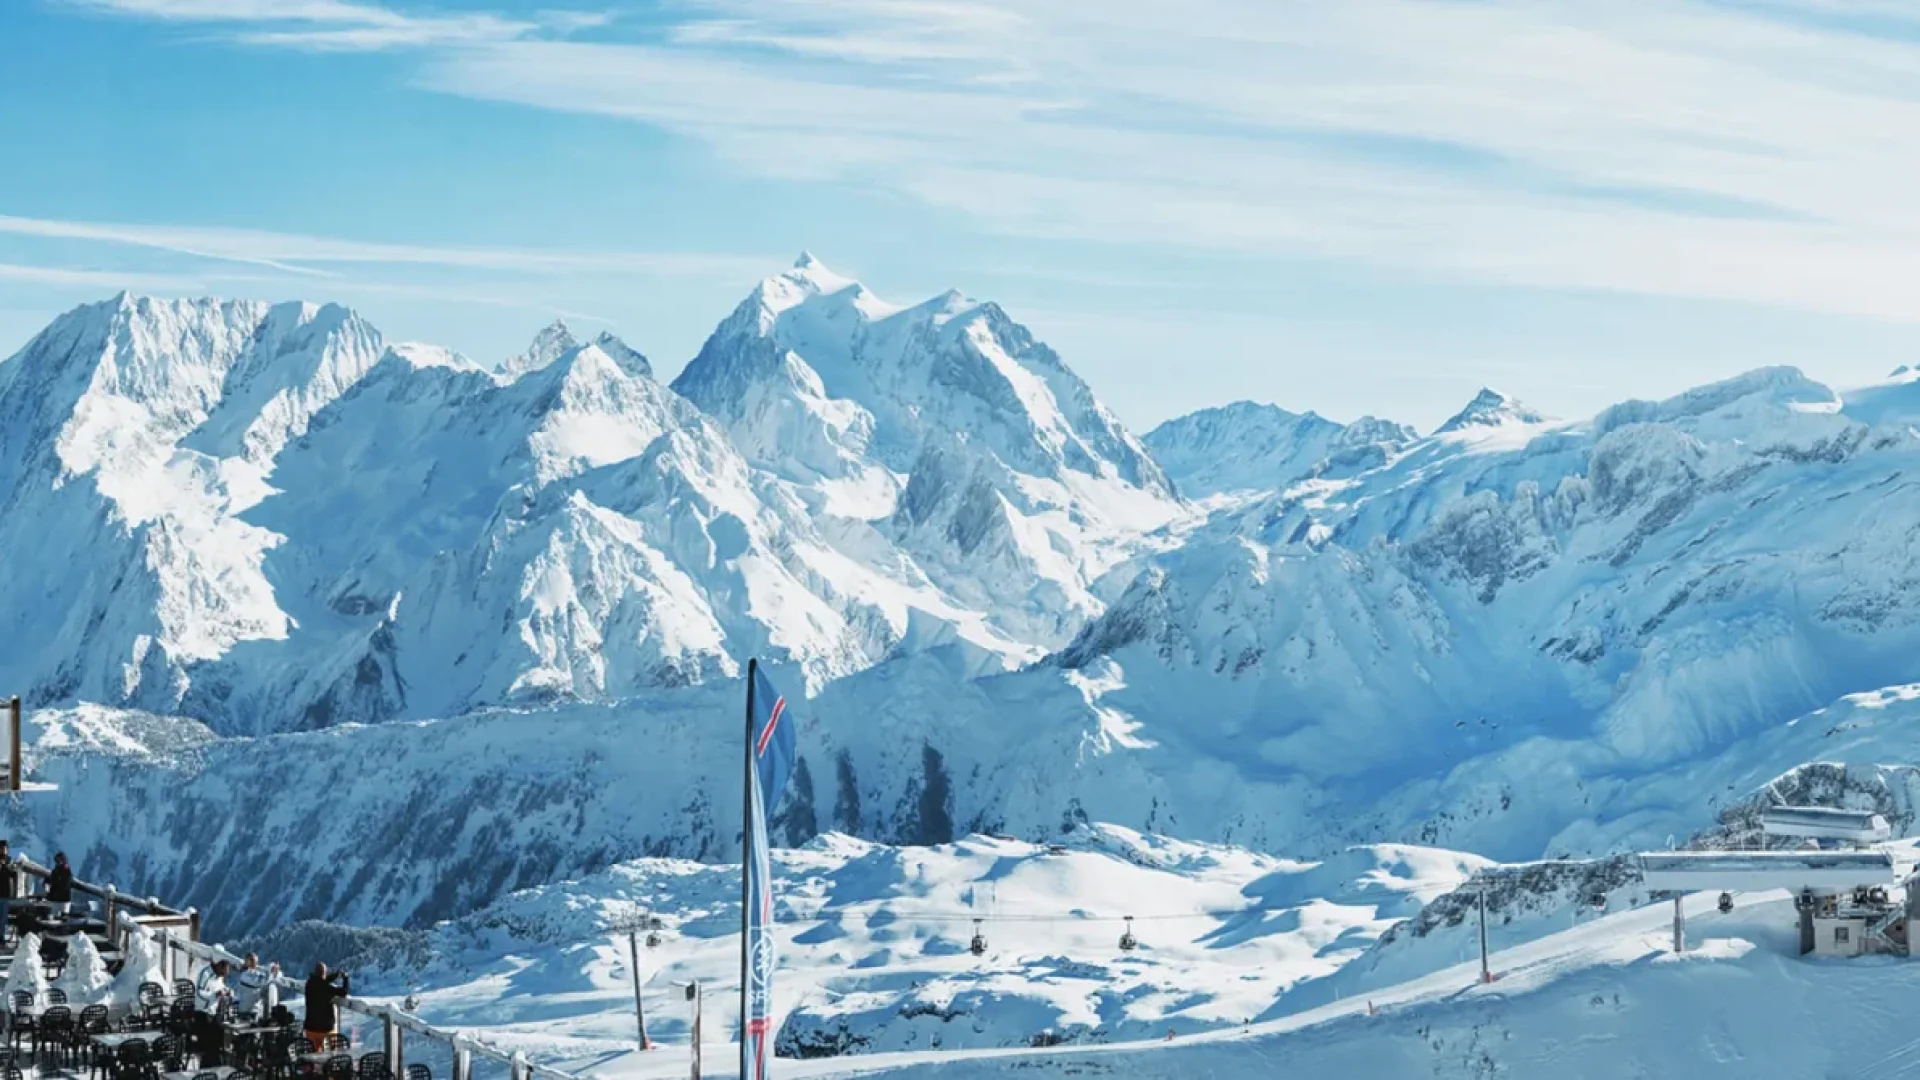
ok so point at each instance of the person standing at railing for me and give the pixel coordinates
(9, 890)
(60, 885)
(211, 997)
(255, 987)
(323, 994)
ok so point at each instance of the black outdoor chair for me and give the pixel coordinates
(152, 1012)
(180, 1018)
(336, 1040)
(53, 957)
(206, 1075)
(169, 1053)
(56, 996)
(55, 1032)
(182, 988)
(133, 1060)
(22, 1023)
(338, 1067)
(373, 1066)
(418, 1071)
(93, 1021)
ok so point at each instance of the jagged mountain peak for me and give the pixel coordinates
(629, 358)
(1254, 446)
(1491, 408)
(552, 342)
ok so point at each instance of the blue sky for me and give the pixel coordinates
(1352, 205)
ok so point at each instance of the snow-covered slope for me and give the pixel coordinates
(1500, 627)
(943, 428)
(265, 518)
(875, 943)
(139, 433)
(1247, 446)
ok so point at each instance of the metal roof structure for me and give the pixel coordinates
(1823, 823)
(1752, 871)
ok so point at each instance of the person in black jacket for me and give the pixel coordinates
(60, 884)
(322, 993)
(9, 890)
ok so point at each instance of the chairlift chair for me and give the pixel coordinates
(1726, 903)
(978, 947)
(1127, 941)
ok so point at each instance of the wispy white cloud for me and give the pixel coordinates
(296, 253)
(96, 279)
(1692, 149)
(348, 25)
(1760, 152)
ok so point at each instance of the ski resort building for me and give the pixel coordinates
(1850, 902)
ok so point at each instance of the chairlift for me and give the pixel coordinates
(653, 939)
(978, 947)
(1127, 941)
(1726, 903)
(1597, 900)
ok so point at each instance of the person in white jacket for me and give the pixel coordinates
(211, 996)
(211, 987)
(255, 991)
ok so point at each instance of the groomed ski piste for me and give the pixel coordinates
(1604, 999)
(1581, 994)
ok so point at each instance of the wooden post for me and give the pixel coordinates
(193, 924)
(394, 1036)
(462, 1063)
(1679, 927)
(113, 921)
(13, 755)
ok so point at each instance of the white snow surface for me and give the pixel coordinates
(257, 557)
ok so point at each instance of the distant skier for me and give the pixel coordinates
(323, 993)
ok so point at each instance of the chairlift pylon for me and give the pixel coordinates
(979, 945)
(1127, 941)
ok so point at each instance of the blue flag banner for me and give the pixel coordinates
(770, 756)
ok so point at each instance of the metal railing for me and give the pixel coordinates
(178, 932)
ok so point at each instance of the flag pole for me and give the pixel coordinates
(746, 873)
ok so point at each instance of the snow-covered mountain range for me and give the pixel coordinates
(494, 616)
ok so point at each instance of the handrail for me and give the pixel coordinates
(149, 905)
(515, 1060)
(158, 917)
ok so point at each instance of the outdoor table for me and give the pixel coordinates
(356, 1054)
(112, 1040)
(238, 1037)
(220, 1072)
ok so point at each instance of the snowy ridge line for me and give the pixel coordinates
(523, 1068)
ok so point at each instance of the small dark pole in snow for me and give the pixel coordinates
(639, 1010)
(693, 995)
(1486, 974)
(1679, 927)
(13, 757)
